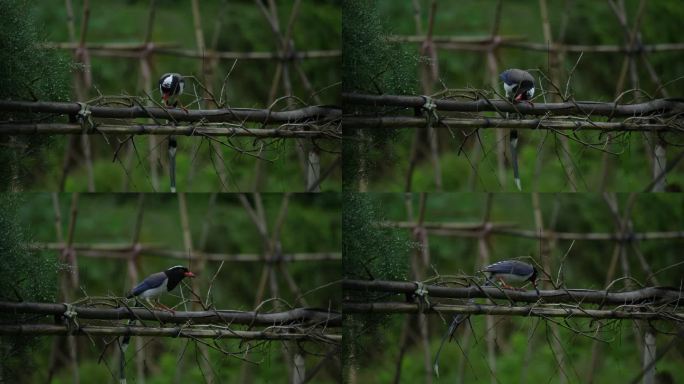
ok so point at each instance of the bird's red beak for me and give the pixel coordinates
(519, 97)
(165, 96)
(189, 274)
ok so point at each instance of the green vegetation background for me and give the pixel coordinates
(595, 78)
(585, 266)
(312, 224)
(244, 29)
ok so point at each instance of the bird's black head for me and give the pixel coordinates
(175, 275)
(533, 279)
(533, 276)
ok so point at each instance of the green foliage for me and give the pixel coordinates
(370, 64)
(26, 276)
(27, 72)
(370, 252)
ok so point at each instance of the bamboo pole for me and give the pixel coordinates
(174, 332)
(505, 310)
(165, 130)
(552, 124)
(653, 295)
(146, 77)
(586, 108)
(546, 264)
(237, 115)
(300, 316)
(133, 264)
(484, 259)
(133, 50)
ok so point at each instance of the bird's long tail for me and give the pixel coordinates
(514, 157)
(123, 345)
(173, 144)
(458, 320)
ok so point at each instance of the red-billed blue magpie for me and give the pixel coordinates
(512, 271)
(152, 287)
(519, 87)
(171, 86)
(504, 272)
(158, 283)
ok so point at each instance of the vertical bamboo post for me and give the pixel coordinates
(146, 78)
(649, 356)
(69, 257)
(82, 85)
(546, 264)
(484, 256)
(493, 70)
(299, 372)
(205, 366)
(406, 320)
(217, 150)
(133, 263)
(555, 77)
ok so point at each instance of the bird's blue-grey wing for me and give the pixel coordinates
(510, 267)
(152, 281)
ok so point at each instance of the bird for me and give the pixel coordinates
(519, 87)
(158, 283)
(503, 271)
(151, 287)
(512, 271)
(171, 86)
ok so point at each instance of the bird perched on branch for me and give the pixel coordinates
(519, 87)
(158, 283)
(504, 272)
(152, 287)
(512, 271)
(171, 86)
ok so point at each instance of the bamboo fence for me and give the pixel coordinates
(199, 319)
(556, 304)
(389, 107)
(289, 62)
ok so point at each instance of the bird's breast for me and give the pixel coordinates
(509, 277)
(154, 292)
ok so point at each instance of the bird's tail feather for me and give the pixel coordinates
(173, 144)
(458, 319)
(514, 157)
(123, 345)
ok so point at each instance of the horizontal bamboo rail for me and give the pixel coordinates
(584, 108)
(485, 122)
(235, 115)
(304, 316)
(134, 50)
(578, 48)
(461, 226)
(469, 40)
(652, 295)
(536, 311)
(475, 230)
(124, 250)
(297, 131)
(484, 43)
(186, 332)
